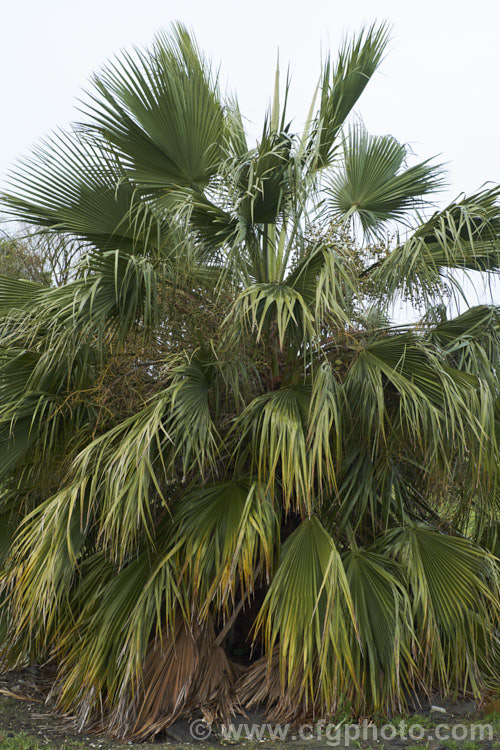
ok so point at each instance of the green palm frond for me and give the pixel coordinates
(384, 641)
(118, 473)
(262, 305)
(117, 636)
(73, 186)
(42, 583)
(471, 342)
(374, 185)
(116, 290)
(316, 290)
(307, 611)
(326, 425)
(228, 530)
(372, 492)
(126, 466)
(275, 428)
(213, 225)
(264, 179)
(455, 596)
(432, 397)
(341, 86)
(160, 110)
(10, 519)
(34, 409)
(236, 138)
(16, 293)
(192, 432)
(326, 283)
(465, 327)
(464, 235)
(33, 429)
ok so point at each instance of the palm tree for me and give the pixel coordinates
(227, 478)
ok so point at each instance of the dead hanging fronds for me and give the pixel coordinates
(214, 691)
(167, 680)
(262, 685)
(184, 672)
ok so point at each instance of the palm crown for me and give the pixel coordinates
(213, 435)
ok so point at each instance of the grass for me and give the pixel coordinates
(23, 741)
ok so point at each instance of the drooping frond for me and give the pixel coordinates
(384, 641)
(464, 235)
(228, 530)
(275, 428)
(307, 611)
(455, 597)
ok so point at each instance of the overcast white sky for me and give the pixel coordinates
(437, 90)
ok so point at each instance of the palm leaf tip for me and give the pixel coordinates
(341, 86)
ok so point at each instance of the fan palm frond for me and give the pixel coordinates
(455, 605)
(229, 530)
(384, 641)
(307, 611)
(464, 235)
(374, 185)
(76, 187)
(161, 112)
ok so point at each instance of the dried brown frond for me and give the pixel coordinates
(261, 685)
(183, 673)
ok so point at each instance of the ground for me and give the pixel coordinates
(26, 724)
